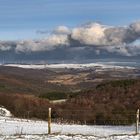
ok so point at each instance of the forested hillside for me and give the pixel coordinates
(108, 101)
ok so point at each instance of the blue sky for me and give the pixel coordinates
(20, 19)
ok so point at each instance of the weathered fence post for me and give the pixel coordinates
(137, 121)
(49, 121)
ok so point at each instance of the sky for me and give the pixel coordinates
(69, 29)
(21, 19)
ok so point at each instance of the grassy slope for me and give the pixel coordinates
(18, 80)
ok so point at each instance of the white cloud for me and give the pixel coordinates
(3, 48)
(62, 30)
(49, 43)
(135, 27)
(92, 34)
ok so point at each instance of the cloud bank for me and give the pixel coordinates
(124, 41)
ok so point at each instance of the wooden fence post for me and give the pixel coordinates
(49, 121)
(137, 121)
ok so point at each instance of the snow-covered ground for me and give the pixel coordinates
(64, 137)
(22, 129)
(75, 66)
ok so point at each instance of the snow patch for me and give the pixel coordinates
(4, 112)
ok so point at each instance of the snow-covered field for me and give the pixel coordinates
(22, 129)
(75, 66)
(15, 126)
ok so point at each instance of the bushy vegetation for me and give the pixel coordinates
(54, 95)
(119, 83)
(112, 102)
(58, 95)
(25, 106)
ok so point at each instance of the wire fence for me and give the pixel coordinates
(66, 121)
(84, 117)
(90, 118)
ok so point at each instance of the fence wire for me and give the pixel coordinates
(86, 121)
(84, 116)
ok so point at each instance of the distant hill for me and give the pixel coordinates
(42, 81)
(22, 81)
